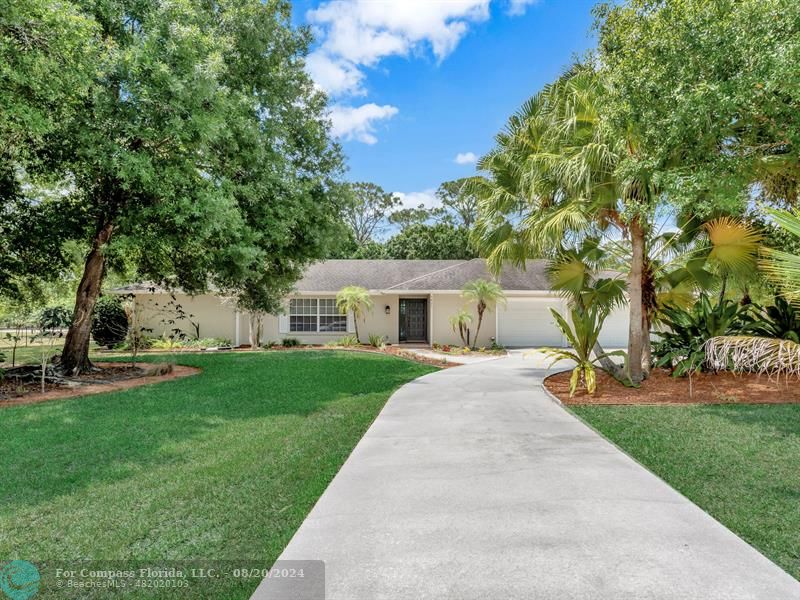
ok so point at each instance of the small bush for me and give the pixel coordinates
(109, 323)
(347, 341)
(54, 317)
(290, 342)
(377, 340)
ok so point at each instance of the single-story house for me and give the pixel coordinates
(413, 302)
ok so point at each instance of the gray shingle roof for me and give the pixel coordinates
(386, 275)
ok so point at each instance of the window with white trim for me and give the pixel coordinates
(316, 315)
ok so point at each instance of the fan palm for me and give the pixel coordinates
(484, 294)
(783, 268)
(355, 300)
(460, 323)
(555, 176)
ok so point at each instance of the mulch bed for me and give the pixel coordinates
(110, 377)
(661, 388)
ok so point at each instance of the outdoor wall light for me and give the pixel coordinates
(388, 309)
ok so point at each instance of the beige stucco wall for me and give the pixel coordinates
(216, 318)
(444, 306)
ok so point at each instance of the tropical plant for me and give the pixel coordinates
(460, 323)
(347, 341)
(582, 337)
(484, 294)
(781, 321)
(354, 300)
(377, 341)
(747, 354)
(109, 322)
(681, 342)
(783, 268)
(554, 177)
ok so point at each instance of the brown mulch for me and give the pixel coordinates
(661, 388)
(111, 377)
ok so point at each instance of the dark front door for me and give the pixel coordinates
(413, 320)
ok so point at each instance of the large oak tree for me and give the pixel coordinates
(199, 149)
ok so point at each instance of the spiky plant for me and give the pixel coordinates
(746, 354)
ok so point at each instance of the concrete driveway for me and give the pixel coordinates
(472, 484)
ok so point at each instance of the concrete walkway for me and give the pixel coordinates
(472, 484)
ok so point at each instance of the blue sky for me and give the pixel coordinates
(415, 83)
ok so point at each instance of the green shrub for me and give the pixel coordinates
(290, 342)
(54, 317)
(347, 341)
(377, 340)
(780, 321)
(109, 322)
(680, 345)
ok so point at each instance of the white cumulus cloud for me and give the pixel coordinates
(465, 158)
(358, 122)
(357, 34)
(426, 198)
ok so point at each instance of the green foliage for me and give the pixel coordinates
(378, 341)
(348, 341)
(459, 202)
(782, 321)
(711, 88)
(680, 345)
(484, 294)
(109, 322)
(365, 206)
(780, 265)
(441, 241)
(460, 323)
(406, 217)
(54, 317)
(582, 335)
(354, 300)
(290, 342)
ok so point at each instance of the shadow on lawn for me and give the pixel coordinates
(57, 447)
(783, 419)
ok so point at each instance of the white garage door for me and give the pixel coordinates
(615, 329)
(527, 322)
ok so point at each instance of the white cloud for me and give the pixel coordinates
(358, 122)
(518, 7)
(465, 158)
(358, 34)
(427, 198)
(335, 77)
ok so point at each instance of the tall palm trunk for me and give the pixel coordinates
(635, 331)
(75, 356)
(355, 322)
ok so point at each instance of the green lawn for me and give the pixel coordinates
(30, 353)
(740, 463)
(222, 465)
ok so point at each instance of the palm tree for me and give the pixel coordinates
(460, 323)
(782, 267)
(483, 293)
(555, 177)
(355, 300)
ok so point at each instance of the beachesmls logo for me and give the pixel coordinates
(19, 579)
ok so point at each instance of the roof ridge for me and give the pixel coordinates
(396, 286)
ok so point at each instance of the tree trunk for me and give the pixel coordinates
(606, 363)
(256, 328)
(647, 348)
(75, 356)
(477, 329)
(635, 302)
(355, 323)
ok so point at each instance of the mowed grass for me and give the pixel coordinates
(740, 463)
(223, 465)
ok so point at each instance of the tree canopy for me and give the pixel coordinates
(197, 148)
